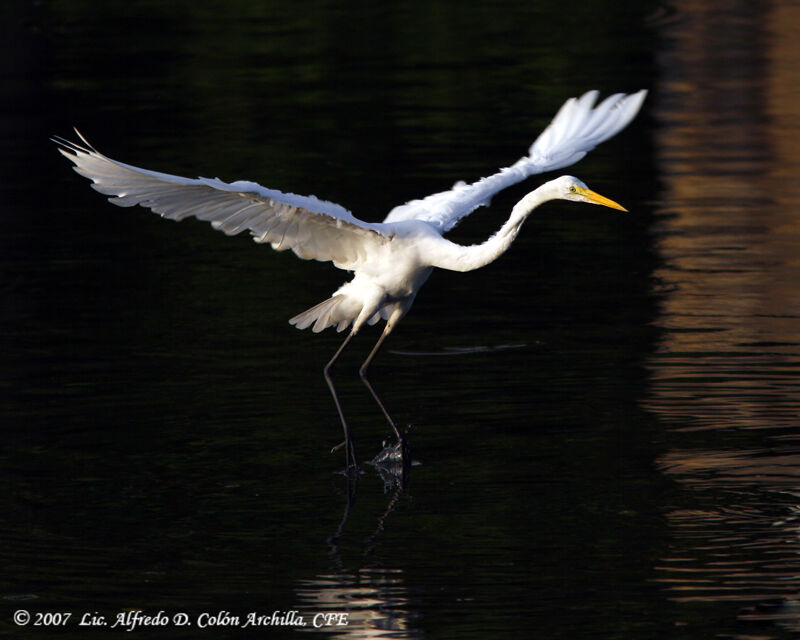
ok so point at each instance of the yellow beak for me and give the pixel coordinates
(596, 198)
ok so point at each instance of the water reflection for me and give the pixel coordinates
(741, 543)
(374, 598)
(725, 378)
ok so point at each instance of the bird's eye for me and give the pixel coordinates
(573, 189)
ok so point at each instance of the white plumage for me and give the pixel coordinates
(391, 260)
(577, 128)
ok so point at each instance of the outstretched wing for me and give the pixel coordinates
(577, 128)
(312, 228)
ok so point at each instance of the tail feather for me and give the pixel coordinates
(326, 314)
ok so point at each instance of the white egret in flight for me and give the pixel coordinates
(390, 260)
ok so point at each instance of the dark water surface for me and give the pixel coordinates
(604, 421)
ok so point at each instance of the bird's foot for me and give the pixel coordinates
(392, 454)
(352, 467)
(335, 448)
(393, 464)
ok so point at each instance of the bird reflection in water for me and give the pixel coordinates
(375, 598)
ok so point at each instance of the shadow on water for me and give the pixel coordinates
(726, 377)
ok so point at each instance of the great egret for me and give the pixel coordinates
(392, 259)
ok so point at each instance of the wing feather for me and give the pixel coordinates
(577, 128)
(312, 228)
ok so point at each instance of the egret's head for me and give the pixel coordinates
(570, 188)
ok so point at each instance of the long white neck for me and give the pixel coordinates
(479, 255)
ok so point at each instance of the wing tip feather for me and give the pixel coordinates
(613, 114)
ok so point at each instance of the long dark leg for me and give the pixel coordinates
(350, 451)
(363, 373)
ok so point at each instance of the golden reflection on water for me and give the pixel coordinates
(375, 601)
(729, 360)
(729, 232)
